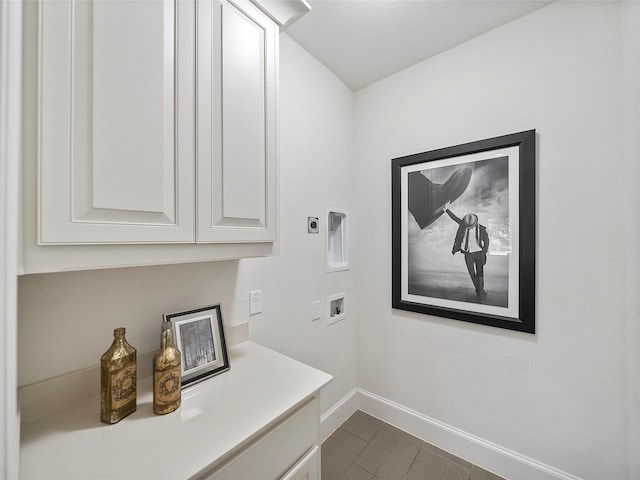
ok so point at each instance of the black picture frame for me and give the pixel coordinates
(199, 335)
(494, 180)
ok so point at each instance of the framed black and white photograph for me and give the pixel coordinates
(463, 232)
(199, 335)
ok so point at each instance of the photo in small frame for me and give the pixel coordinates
(463, 232)
(199, 335)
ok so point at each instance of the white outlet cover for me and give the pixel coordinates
(255, 302)
(313, 225)
(315, 310)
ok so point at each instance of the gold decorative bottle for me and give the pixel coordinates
(118, 367)
(166, 374)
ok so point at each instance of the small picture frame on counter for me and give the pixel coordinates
(199, 335)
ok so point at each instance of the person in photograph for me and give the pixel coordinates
(472, 240)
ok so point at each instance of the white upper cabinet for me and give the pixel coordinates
(236, 118)
(117, 107)
(156, 125)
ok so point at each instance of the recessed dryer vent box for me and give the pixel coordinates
(337, 240)
(337, 308)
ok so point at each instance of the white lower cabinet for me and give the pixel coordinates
(282, 453)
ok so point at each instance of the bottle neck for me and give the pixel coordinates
(166, 338)
(118, 335)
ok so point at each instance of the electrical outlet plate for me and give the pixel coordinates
(315, 310)
(255, 302)
(313, 225)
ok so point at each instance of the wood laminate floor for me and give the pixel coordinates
(365, 448)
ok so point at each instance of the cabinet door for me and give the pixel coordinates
(289, 443)
(236, 143)
(308, 468)
(116, 113)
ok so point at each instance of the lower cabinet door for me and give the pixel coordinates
(308, 468)
(274, 454)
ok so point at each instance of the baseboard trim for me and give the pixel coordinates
(338, 414)
(494, 458)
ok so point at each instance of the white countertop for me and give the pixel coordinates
(215, 418)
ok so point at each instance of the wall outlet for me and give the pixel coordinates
(315, 310)
(255, 302)
(313, 225)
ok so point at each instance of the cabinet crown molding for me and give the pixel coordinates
(283, 12)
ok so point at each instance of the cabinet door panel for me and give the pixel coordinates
(236, 123)
(132, 98)
(116, 155)
(243, 116)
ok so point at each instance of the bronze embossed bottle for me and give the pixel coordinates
(118, 367)
(166, 373)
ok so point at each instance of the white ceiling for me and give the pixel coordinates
(363, 41)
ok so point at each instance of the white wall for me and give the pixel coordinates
(559, 396)
(66, 320)
(317, 152)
